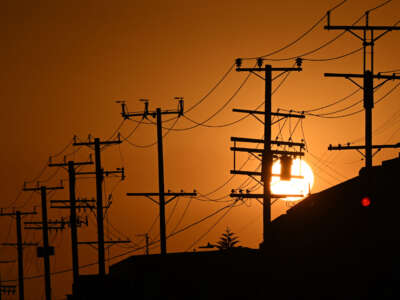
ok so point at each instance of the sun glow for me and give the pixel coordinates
(301, 184)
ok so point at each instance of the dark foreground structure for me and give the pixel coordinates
(329, 246)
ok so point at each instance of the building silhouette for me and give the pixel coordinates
(328, 246)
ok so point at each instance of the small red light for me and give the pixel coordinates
(366, 201)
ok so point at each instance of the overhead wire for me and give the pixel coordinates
(129, 251)
(240, 119)
(219, 82)
(211, 228)
(172, 211)
(169, 129)
(211, 90)
(379, 6)
(300, 37)
(320, 47)
(203, 123)
(117, 129)
(372, 9)
(182, 215)
(333, 103)
(328, 166)
(333, 58)
(327, 115)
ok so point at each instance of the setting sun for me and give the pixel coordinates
(301, 184)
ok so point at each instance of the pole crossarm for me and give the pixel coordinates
(126, 115)
(49, 228)
(25, 189)
(357, 147)
(117, 171)
(55, 222)
(260, 196)
(173, 195)
(93, 143)
(255, 173)
(77, 201)
(277, 152)
(248, 173)
(76, 206)
(83, 163)
(261, 141)
(261, 69)
(352, 75)
(166, 194)
(361, 28)
(277, 114)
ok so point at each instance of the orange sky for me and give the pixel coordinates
(65, 63)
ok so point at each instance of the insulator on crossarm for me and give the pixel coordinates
(180, 107)
(238, 62)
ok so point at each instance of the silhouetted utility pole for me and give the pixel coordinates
(368, 39)
(146, 236)
(46, 250)
(267, 153)
(73, 221)
(161, 194)
(20, 244)
(99, 195)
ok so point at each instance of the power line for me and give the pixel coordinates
(336, 111)
(197, 124)
(211, 90)
(300, 37)
(238, 120)
(319, 48)
(333, 58)
(169, 129)
(358, 111)
(333, 103)
(138, 123)
(172, 211)
(211, 228)
(379, 6)
(130, 251)
(117, 129)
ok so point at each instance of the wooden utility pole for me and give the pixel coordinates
(20, 244)
(368, 39)
(161, 190)
(146, 236)
(46, 251)
(99, 172)
(267, 153)
(73, 220)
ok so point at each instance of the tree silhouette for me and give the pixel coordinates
(227, 240)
